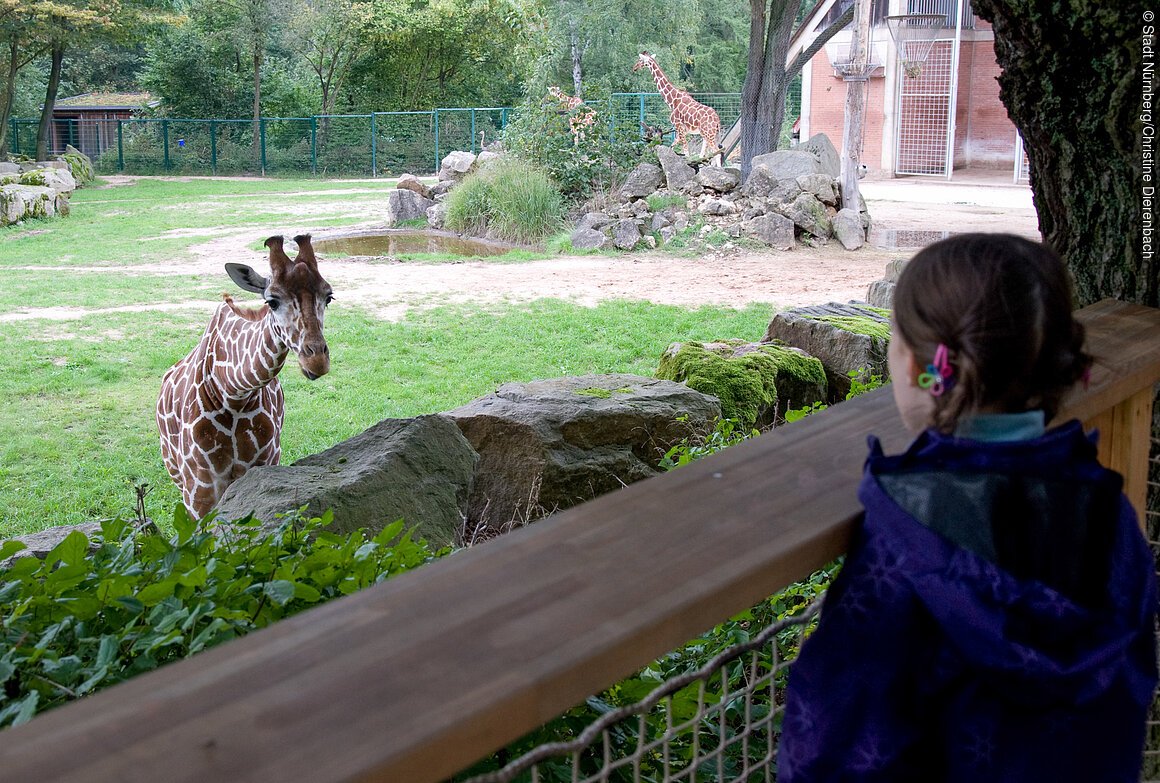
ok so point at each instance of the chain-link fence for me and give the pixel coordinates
(348, 145)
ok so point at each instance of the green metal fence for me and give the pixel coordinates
(348, 145)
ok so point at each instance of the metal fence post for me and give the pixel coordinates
(14, 134)
(436, 113)
(473, 131)
(120, 145)
(313, 143)
(165, 143)
(374, 147)
(213, 146)
(262, 136)
(641, 126)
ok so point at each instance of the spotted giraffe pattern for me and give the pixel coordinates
(688, 116)
(220, 408)
(578, 121)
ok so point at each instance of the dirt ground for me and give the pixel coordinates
(906, 214)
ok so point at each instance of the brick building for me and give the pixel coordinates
(909, 111)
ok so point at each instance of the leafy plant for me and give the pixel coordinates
(509, 199)
(90, 614)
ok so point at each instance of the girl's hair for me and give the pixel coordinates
(1002, 305)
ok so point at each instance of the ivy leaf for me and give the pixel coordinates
(279, 591)
(9, 548)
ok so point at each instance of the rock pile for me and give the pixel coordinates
(790, 195)
(41, 189)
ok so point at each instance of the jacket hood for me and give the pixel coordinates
(1025, 554)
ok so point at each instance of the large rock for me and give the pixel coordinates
(772, 229)
(406, 205)
(755, 383)
(821, 186)
(60, 180)
(626, 234)
(846, 338)
(41, 543)
(764, 184)
(810, 216)
(820, 146)
(881, 292)
(79, 165)
(412, 183)
(455, 166)
(788, 164)
(678, 174)
(437, 215)
(596, 220)
(547, 445)
(719, 179)
(848, 229)
(419, 470)
(642, 181)
(25, 202)
(8, 168)
(590, 239)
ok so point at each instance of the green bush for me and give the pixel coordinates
(508, 199)
(91, 614)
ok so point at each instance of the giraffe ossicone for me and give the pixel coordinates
(220, 409)
(688, 116)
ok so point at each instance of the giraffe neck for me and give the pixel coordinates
(667, 89)
(245, 354)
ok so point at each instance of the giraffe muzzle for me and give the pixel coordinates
(314, 361)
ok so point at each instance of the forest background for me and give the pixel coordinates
(234, 58)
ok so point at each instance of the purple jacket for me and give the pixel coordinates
(994, 621)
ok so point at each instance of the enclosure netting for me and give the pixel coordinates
(729, 731)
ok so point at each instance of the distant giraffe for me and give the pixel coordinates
(220, 408)
(578, 121)
(688, 116)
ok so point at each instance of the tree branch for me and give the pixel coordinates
(808, 53)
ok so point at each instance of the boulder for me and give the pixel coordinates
(437, 215)
(772, 229)
(442, 187)
(642, 181)
(677, 173)
(788, 164)
(41, 543)
(625, 234)
(848, 229)
(79, 164)
(486, 157)
(419, 470)
(719, 179)
(881, 294)
(596, 220)
(754, 382)
(846, 338)
(640, 208)
(810, 216)
(8, 168)
(660, 220)
(406, 205)
(590, 239)
(820, 146)
(24, 202)
(550, 444)
(763, 183)
(412, 183)
(455, 166)
(821, 186)
(716, 206)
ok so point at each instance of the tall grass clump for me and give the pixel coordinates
(508, 199)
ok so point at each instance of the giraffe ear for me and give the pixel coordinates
(246, 278)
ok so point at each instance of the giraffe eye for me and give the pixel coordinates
(273, 304)
(329, 298)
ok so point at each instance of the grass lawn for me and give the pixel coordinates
(76, 418)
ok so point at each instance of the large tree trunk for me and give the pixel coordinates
(1071, 83)
(45, 128)
(577, 60)
(258, 104)
(9, 94)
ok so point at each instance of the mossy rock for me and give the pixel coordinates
(746, 377)
(79, 164)
(35, 178)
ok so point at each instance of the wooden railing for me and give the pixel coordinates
(417, 678)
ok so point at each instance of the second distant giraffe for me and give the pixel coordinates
(688, 116)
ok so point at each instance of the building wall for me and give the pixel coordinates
(984, 135)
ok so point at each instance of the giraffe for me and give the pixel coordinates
(578, 121)
(220, 408)
(688, 116)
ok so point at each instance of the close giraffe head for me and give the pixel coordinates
(644, 59)
(296, 299)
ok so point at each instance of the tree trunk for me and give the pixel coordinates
(857, 85)
(9, 95)
(45, 129)
(577, 61)
(258, 105)
(1071, 83)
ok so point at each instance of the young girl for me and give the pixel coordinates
(994, 617)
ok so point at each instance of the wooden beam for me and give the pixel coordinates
(418, 677)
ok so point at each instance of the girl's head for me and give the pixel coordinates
(1002, 307)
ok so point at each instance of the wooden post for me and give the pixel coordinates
(856, 80)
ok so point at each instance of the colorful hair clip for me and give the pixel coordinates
(938, 376)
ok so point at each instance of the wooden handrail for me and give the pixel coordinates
(416, 678)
